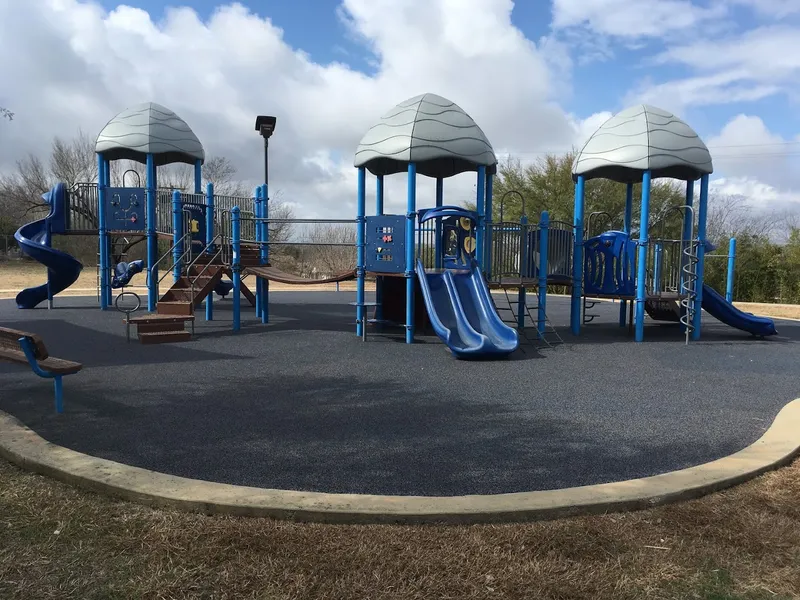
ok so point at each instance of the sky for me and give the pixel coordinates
(537, 76)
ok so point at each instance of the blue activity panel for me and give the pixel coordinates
(609, 264)
(386, 244)
(197, 222)
(125, 209)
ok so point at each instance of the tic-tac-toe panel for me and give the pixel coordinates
(386, 244)
(124, 209)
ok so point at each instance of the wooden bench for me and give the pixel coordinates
(26, 348)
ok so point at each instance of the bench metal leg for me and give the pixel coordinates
(59, 394)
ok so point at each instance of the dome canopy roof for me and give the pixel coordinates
(149, 128)
(430, 131)
(640, 138)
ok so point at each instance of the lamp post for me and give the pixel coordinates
(265, 126)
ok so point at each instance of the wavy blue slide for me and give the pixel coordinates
(463, 315)
(719, 308)
(34, 240)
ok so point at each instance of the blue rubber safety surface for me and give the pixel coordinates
(304, 404)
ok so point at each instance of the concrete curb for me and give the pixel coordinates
(24, 447)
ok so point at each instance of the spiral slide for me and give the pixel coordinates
(463, 315)
(34, 240)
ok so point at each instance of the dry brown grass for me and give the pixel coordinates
(58, 542)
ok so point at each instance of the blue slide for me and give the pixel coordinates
(719, 308)
(462, 313)
(34, 240)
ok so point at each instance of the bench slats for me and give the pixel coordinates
(9, 338)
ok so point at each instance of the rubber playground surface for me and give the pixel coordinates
(304, 404)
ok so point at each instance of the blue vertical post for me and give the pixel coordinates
(480, 234)
(107, 176)
(626, 227)
(263, 253)
(522, 300)
(257, 206)
(236, 234)
(544, 241)
(641, 261)
(152, 239)
(437, 244)
(731, 268)
(103, 233)
(702, 214)
(177, 233)
(59, 393)
(198, 176)
(658, 257)
(411, 213)
(379, 203)
(487, 252)
(361, 209)
(577, 259)
(209, 239)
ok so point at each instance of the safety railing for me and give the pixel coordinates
(82, 204)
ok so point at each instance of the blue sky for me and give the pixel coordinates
(315, 27)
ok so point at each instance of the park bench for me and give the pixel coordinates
(26, 348)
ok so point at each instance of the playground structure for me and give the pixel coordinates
(434, 267)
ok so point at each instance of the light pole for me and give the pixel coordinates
(265, 125)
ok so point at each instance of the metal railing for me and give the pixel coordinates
(82, 208)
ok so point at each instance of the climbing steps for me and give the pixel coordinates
(508, 309)
(176, 306)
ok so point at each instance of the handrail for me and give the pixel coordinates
(166, 254)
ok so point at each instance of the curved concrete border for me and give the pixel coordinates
(24, 447)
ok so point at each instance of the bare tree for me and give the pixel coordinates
(333, 258)
(732, 216)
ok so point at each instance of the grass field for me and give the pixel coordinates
(62, 543)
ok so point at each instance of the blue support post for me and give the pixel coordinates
(361, 209)
(544, 235)
(641, 261)
(702, 214)
(198, 176)
(480, 234)
(58, 388)
(731, 268)
(103, 233)
(487, 252)
(411, 214)
(177, 234)
(257, 202)
(152, 239)
(522, 300)
(577, 259)
(379, 203)
(109, 291)
(209, 239)
(263, 253)
(236, 234)
(658, 257)
(437, 244)
(626, 227)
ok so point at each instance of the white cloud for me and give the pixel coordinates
(77, 65)
(633, 20)
(746, 150)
